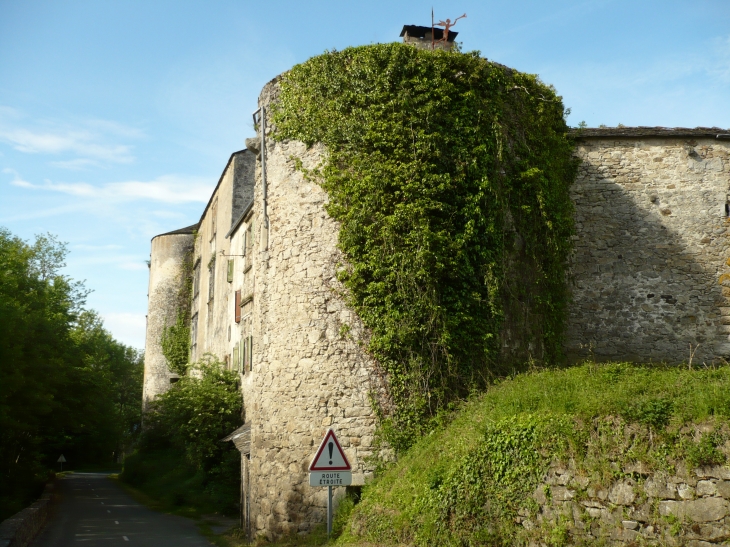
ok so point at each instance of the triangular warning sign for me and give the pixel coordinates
(330, 456)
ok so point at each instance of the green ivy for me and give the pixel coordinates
(449, 175)
(175, 339)
(175, 344)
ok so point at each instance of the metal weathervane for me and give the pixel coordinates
(447, 26)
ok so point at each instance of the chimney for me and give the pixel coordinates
(421, 37)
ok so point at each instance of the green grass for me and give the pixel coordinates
(464, 483)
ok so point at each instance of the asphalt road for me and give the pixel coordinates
(93, 510)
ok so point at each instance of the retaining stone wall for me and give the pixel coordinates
(20, 529)
(691, 508)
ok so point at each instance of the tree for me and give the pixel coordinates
(65, 384)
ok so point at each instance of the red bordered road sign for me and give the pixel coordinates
(330, 456)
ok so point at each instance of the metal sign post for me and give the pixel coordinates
(329, 511)
(61, 460)
(330, 468)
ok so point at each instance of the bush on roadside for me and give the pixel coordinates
(181, 461)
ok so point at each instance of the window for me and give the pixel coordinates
(196, 279)
(235, 358)
(213, 219)
(211, 279)
(194, 334)
(247, 353)
(248, 247)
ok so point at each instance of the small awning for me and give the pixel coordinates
(241, 437)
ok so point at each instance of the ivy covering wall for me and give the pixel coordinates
(449, 175)
(175, 340)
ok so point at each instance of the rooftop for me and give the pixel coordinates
(664, 132)
(417, 31)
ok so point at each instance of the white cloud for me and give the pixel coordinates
(77, 142)
(91, 140)
(170, 189)
(17, 179)
(84, 247)
(133, 266)
(128, 328)
(168, 214)
(75, 165)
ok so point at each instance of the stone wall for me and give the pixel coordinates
(20, 529)
(690, 508)
(310, 370)
(651, 245)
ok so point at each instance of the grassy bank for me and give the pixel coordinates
(465, 482)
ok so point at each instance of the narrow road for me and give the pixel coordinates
(93, 510)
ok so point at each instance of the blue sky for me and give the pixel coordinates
(117, 118)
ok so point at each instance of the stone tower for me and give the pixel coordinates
(168, 256)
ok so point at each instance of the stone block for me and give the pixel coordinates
(713, 471)
(707, 509)
(701, 510)
(539, 495)
(685, 491)
(561, 493)
(624, 535)
(706, 488)
(622, 494)
(656, 488)
(723, 489)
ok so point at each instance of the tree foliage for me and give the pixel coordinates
(196, 412)
(180, 451)
(439, 165)
(66, 386)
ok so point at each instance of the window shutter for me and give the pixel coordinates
(211, 279)
(235, 357)
(244, 354)
(237, 306)
(250, 353)
(248, 247)
(240, 363)
(230, 271)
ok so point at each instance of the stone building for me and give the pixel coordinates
(266, 301)
(647, 280)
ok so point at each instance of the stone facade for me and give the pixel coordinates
(266, 302)
(690, 508)
(651, 246)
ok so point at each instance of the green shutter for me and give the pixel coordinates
(250, 353)
(242, 356)
(234, 365)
